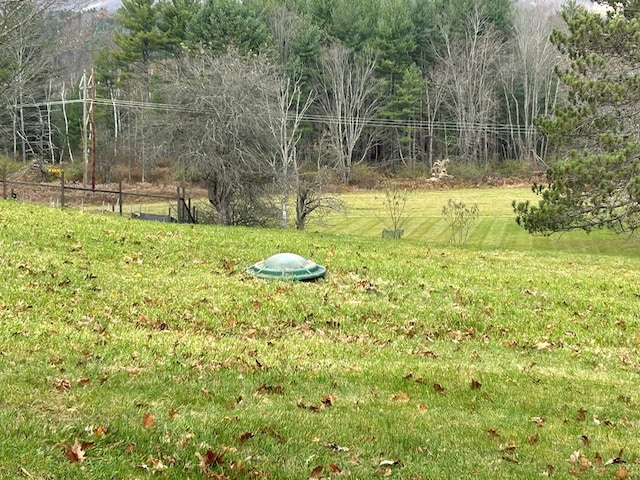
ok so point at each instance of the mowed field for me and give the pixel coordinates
(133, 350)
(495, 229)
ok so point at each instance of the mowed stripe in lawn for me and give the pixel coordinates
(495, 229)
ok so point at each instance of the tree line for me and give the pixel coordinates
(265, 97)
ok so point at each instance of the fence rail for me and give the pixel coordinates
(185, 213)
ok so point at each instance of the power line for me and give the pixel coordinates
(312, 118)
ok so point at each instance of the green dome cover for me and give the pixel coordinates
(287, 266)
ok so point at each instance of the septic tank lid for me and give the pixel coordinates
(287, 266)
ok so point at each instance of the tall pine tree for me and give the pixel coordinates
(598, 184)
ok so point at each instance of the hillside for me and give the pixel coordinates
(135, 348)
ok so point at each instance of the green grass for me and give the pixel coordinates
(496, 228)
(412, 359)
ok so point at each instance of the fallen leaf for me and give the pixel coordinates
(266, 389)
(581, 415)
(597, 459)
(148, 420)
(245, 436)
(401, 397)
(622, 473)
(475, 384)
(585, 440)
(508, 447)
(438, 388)
(422, 408)
(493, 433)
(327, 401)
(313, 408)
(539, 421)
(76, 452)
(425, 353)
(333, 468)
(542, 345)
(62, 385)
(391, 463)
(316, 472)
(533, 439)
(157, 465)
(210, 458)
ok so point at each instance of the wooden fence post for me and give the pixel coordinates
(4, 182)
(179, 206)
(62, 190)
(120, 196)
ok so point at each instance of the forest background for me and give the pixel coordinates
(265, 99)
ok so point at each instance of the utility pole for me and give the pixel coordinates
(93, 130)
(85, 139)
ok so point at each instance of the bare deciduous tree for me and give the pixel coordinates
(313, 198)
(529, 83)
(469, 66)
(221, 133)
(285, 118)
(30, 43)
(349, 102)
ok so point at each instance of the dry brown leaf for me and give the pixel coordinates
(316, 472)
(622, 473)
(267, 389)
(585, 440)
(475, 384)
(493, 433)
(333, 468)
(438, 388)
(401, 397)
(148, 420)
(210, 458)
(508, 447)
(76, 452)
(62, 385)
(539, 421)
(327, 400)
(581, 415)
(533, 439)
(597, 459)
(245, 436)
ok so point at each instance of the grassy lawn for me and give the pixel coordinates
(496, 228)
(133, 349)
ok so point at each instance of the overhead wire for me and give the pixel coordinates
(380, 122)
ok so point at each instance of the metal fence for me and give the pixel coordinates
(179, 209)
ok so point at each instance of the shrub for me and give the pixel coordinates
(365, 176)
(73, 172)
(395, 201)
(460, 218)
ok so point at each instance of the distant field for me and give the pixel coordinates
(496, 228)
